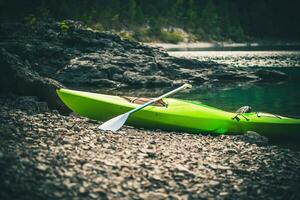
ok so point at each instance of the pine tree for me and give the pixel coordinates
(131, 10)
(209, 20)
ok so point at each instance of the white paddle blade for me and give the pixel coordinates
(115, 123)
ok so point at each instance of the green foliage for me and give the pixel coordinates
(126, 35)
(237, 34)
(142, 34)
(64, 27)
(131, 10)
(156, 25)
(97, 26)
(170, 37)
(206, 19)
(31, 20)
(192, 38)
(115, 18)
(210, 21)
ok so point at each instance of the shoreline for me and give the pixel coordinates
(184, 46)
(46, 155)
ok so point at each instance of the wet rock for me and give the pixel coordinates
(16, 76)
(271, 75)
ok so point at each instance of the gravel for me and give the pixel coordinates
(44, 155)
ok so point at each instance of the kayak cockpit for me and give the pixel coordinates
(143, 100)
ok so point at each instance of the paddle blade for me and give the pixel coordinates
(115, 123)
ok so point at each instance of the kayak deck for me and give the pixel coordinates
(177, 115)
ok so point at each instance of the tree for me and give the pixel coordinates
(131, 12)
(210, 20)
(191, 16)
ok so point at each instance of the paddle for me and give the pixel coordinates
(116, 123)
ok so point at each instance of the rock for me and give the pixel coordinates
(42, 106)
(49, 156)
(224, 193)
(148, 153)
(253, 137)
(68, 174)
(213, 183)
(41, 130)
(82, 190)
(42, 167)
(93, 196)
(17, 77)
(153, 195)
(271, 75)
(67, 183)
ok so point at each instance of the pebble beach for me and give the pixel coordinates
(45, 155)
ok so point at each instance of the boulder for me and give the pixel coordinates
(271, 75)
(81, 57)
(17, 77)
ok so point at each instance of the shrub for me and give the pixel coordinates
(64, 27)
(97, 26)
(142, 34)
(126, 35)
(30, 20)
(170, 37)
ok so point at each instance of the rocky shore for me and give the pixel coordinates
(36, 59)
(44, 155)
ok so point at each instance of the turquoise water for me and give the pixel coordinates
(280, 98)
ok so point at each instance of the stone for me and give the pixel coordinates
(253, 137)
(47, 160)
(18, 77)
(42, 167)
(271, 75)
(153, 195)
(82, 190)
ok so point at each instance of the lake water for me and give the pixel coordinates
(280, 98)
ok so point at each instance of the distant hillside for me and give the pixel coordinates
(148, 20)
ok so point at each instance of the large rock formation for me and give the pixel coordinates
(17, 77)
(80, 57)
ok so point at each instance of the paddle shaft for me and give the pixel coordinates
(116, 123)
(160, 97)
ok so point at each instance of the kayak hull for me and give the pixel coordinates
(179, 115)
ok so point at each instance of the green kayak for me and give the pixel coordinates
(178, 115)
